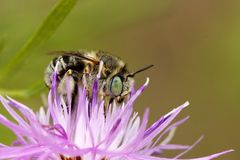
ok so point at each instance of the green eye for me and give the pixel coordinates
(116, 86)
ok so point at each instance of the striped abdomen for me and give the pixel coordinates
(64, 64)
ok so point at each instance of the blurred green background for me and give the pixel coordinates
(194, 46)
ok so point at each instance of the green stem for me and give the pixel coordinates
(42, 34)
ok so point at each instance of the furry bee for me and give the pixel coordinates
(81, 68)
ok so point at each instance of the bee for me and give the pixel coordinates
(82, 67)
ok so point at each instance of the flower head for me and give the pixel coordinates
(65, 132)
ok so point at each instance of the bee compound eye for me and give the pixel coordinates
(116, 86)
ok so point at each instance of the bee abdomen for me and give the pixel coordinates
(64, 64)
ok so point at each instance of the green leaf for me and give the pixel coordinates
(42, 34)
(24, 93)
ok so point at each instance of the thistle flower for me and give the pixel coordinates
(56, 132)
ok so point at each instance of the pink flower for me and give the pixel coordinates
(56, 132)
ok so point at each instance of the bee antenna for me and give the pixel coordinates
(140, 70)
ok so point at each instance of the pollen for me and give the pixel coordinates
(70, 72)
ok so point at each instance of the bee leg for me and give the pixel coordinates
(107, 102)
(90, 107)
(74, 98)
(68, 87)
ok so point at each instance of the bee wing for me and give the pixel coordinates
(78, 54)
